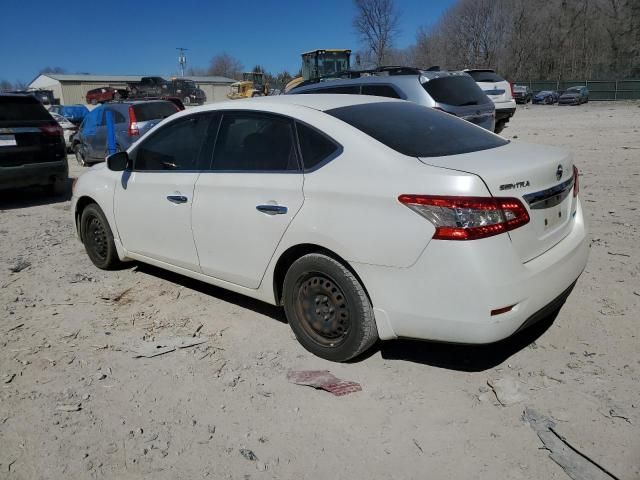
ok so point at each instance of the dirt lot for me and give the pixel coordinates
(68, 332)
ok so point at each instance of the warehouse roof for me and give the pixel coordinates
(80, 77)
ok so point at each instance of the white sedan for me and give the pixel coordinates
(366, 218)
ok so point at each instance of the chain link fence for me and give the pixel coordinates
(598, 89)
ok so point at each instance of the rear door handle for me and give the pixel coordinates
(177, 198)
(272, 209)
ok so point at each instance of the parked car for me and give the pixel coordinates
(574, 96)
(547, 97)
(499, 91)
(364, 217)
(522, 94)
(186, 90)
(105, 94)
(132, 119)
(68, 129)
(452, 92)
(74, 113)
(32, 150)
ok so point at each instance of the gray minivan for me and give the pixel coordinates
(132, 119)
(450, 91)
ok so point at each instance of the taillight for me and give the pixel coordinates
(513, 93)
(576, 181)
(52, 130)
(133, 124)
(468, 218)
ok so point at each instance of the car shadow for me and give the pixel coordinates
(32, 197)
(465, 358)
(257, 306)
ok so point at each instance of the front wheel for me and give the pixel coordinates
(79, 156)
(98, 238)
(186, 100)
(328, 309)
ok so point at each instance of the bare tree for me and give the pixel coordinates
(225, 65)
(376, 22)
(5, 85)
(52, 70)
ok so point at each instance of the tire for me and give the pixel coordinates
(58, 187)
(328, 309)
(94, 101)
(79, 157)
(98, 239)
(117, 96)
(499, 126)
(186, 100)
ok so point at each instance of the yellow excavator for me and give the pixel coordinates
(321, 63)
(251, 85)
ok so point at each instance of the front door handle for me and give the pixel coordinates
(272, 209)
(177, 198)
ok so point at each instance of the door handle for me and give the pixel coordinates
(177, 198)
(272, 209)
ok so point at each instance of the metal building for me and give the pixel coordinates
(73, 88)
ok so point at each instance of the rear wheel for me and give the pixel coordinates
(186, 100)
(98, 238)
(117, 96)
(500, 124)
(328, 309)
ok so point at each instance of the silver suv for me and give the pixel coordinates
(452, 92)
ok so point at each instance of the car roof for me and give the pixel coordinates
(318, 101)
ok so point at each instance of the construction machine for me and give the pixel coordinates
(251, 85)
(318, 64)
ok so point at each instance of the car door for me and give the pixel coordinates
(245, 202)
(153, 201)
(89, 130)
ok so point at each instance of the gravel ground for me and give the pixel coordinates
(74, 403)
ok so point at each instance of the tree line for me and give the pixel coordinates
(521, 39)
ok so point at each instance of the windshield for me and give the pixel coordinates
(519, 88)
(573, 90)
(545, 92)
(415, 130)
(457, 91)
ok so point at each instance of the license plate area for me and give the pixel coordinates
(8, 141)
(553, 217)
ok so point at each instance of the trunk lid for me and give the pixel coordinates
(540, 177)
(498, 91)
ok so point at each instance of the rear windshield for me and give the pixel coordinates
(457, 91)
(22, 109)
(153, 110)
(491, 77)
(415, 130)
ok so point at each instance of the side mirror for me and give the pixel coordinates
(118, 162)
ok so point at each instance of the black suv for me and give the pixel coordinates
(32, 147)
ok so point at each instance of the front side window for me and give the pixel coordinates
(253, 142)
(177, 146)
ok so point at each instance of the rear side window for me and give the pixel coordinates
(491, 77)
(153, 110)
(176, 146)
(417, 131)
(457, 91)
(253, 142)
(17, 109)
(380, 91)
(315, 147)
(344, 89)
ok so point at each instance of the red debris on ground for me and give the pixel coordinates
(324, 380)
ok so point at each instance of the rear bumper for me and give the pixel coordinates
(33, 174)
(449, 293)
(506, 110)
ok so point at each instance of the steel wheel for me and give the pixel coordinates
(96, 237)
(323, 310)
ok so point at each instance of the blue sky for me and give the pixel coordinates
(96, 38)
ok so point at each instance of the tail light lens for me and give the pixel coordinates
(52, 130)
(576, 181)
(468, 218)
(513, 93)
(133, 124)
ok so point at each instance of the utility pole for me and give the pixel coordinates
(182, 59)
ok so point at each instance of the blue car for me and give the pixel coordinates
(74, 113)
(547, 97)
